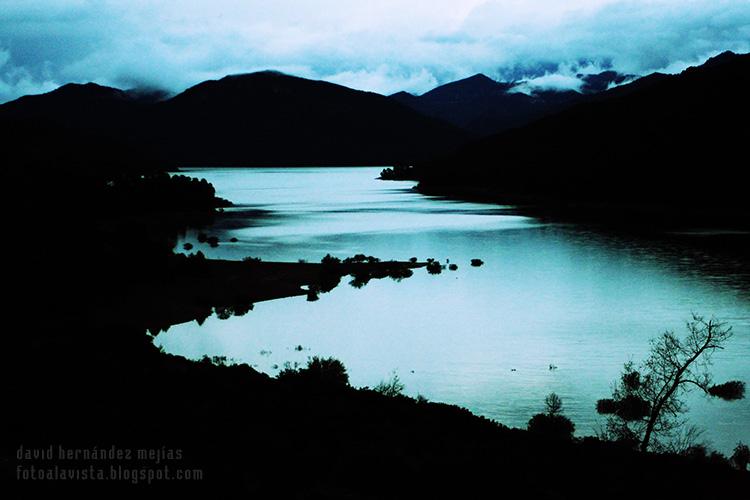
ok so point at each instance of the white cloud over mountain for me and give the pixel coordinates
(382, 46)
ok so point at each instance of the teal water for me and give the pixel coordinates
(483, 338)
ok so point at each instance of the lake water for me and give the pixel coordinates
(483, 338)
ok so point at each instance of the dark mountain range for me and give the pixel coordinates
(484, 106)
(273, 118)
(260, 118)
(670, 141)
(80, 106)
(80, 129)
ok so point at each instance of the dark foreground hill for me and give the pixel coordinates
(484, 106)
(259, 118)
(664, 142)
(79, 381)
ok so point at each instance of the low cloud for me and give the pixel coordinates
(386, 79)
(554, 82)
(559, 78)
(15, 81)
(382, 46)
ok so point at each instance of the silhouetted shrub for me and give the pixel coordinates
(359, 280)
(202, 237)
(356, 259)
(701, 453)
(553, 404)
(631, 380)
(187, 246)
(328, 279)
(391, 387)
(729, 391)
(398, 272)
(606, 406)
(241, 308)
(413, 260)
(330, 260)
(398, 172)
(477, 262)
(213, 241)
(630, 408)
(223, 312)
(234, 240)
(453, 267)
(251, 259)
(214, 360)
(552, 424)
(434, 267)
(319, 371)
(741, 456)
(696, 452)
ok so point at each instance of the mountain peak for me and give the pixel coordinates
(257, 74)
(722, 58)
(474, 85)
(479, 78)
(86, 90)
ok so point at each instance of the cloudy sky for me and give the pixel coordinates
(379, 45)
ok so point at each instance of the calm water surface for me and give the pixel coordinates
(483, 338)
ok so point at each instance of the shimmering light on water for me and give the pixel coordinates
(483, 338)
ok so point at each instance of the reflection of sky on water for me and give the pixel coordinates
(479, 337)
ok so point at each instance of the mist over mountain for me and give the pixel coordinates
(484, 106)
(668, 140)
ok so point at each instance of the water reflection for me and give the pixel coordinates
(585, 301)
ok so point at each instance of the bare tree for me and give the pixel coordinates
(646, 404)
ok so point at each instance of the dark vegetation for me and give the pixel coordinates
(398, 173)
(647, 403)
(552, 424)
(434, 266)
(741, 456)
(393, 387)
(80, 368)
(664, 149)
(320, 373)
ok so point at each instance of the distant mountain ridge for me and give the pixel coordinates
(484, 106)
(251, 119)
(325, 122)
(675, 141)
